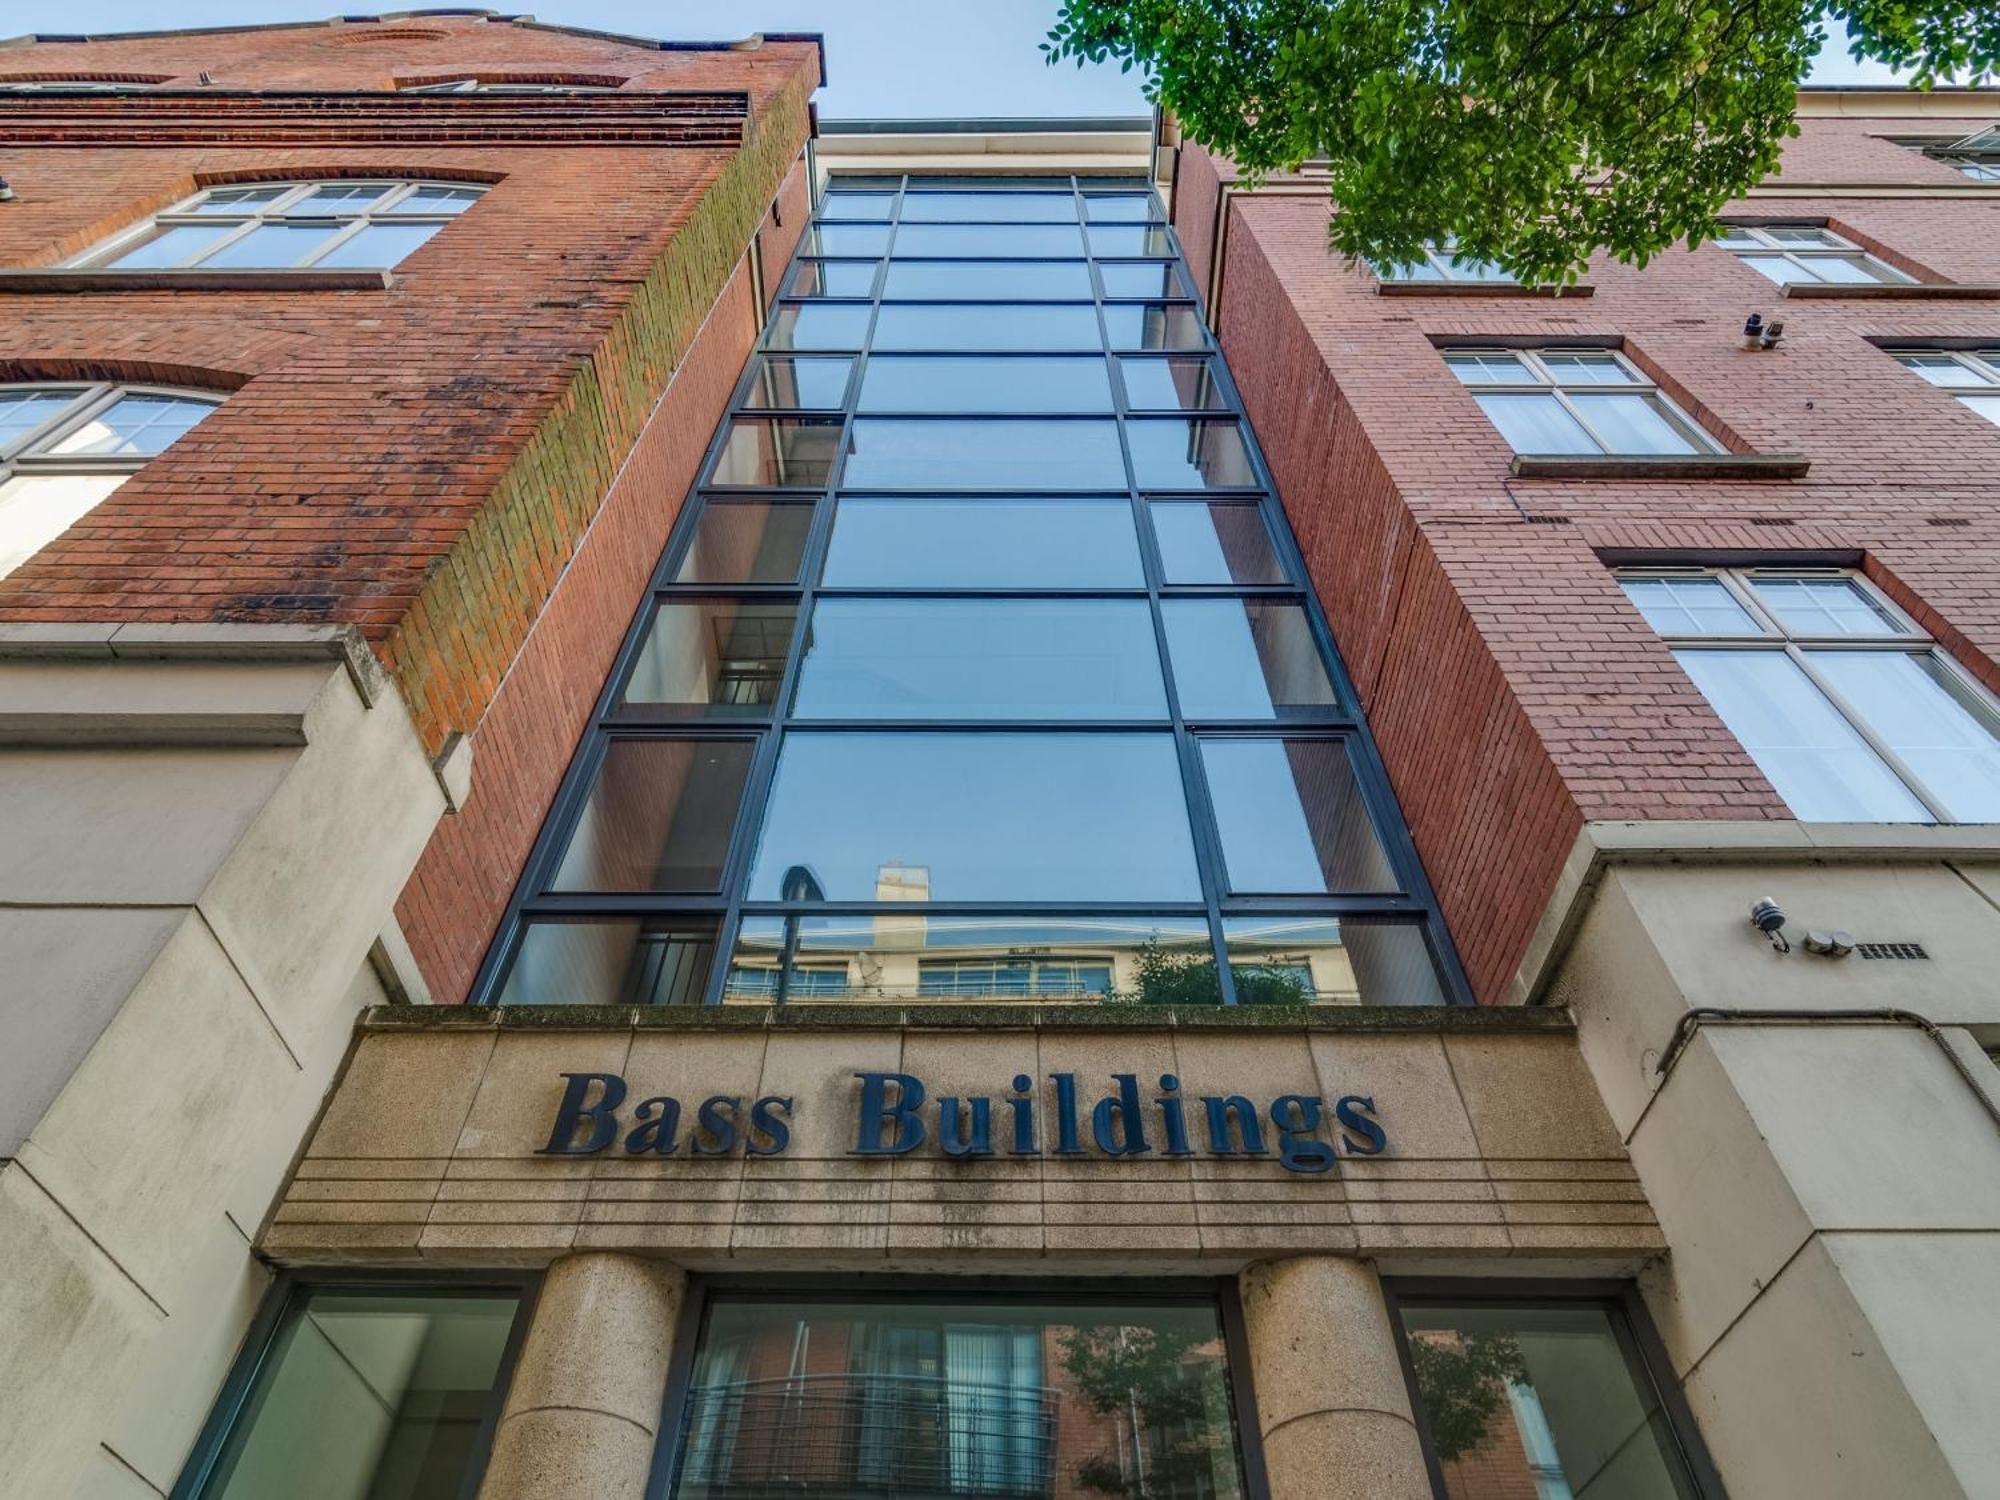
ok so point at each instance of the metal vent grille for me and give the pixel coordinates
(1772, 521)
(1891, 950)
(1946, 521)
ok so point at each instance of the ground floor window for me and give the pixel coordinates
(361, 1392)
(1552, 1394)
(913, 1394)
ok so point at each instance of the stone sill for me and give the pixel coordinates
(1897, 291)
(1479, 1019)
(58, 280)
(1479, 289)
(1660, 466)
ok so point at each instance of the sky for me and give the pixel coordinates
(887, 59)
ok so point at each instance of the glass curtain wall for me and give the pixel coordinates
(981, 666)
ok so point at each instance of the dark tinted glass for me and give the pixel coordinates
(983, 543)
(1322, 960)
(990, 280)
(1129, 239)
(781, 381)
(839, 205)
(981, 384)
(1204, 541)
(986, 241)
(746, 541)
(1018, 454)
(1245, 659)
(1182, 455)
(1144, 278)
(658, 817)
(989, 208)
(611, 961)
(710, 658)
(777, 452)
(833, 278)
(819, 325)
(1172, 383)
(1291, 818)
(912, 325)
(1154, 325)
(846, 239)
(1121, 208)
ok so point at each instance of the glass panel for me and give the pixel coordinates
(166, 246)
(900, 957)
(436, 200)
(611, 961)
(901, 326)
(1986, 406)
(989, 279)
(1631, 424)
(1175, 383)
(1825, 606)
(858, 206)
(1145, 278)
(658, 817)
(978, 817)
(1154, 325)
(377, 245)
(35, 509)
(1587, 367)
(995, 1396)
(1489, 367)
(1214, 542)
(1244, 659)
(1128, 240)
(271, 247)
(341, 198)
(833, 278)
(1073, 454)
(713, 658)
(238, 200)
(1778, 269)
(1942, 369)
(1414, 270)
(1465, 268)
(746, 542)
(1851, 269)
(1822, 768)
(829, 325)
(1540, 1401)
(22, 411)
(1790, 234)
(1291, 818)
(1535, 423)
(1038, 544)
(780, 381)
(777, 451)
(1121, 208)
(1180, 455)
(365, 1394)
(985, 241)
(988, 208)
(983, 384)
(1940, 726)
(1689, 606)
(135, 425)
(981, 659)
(846, 239)
(1321, 960)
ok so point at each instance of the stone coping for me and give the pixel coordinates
(1473, 1019)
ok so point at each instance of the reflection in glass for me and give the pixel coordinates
(986, 241)
(1128, 240)
(135, 426)
(1244, 659)
(1001, 329)
(1175, 383)
(611, 961)
(1536, 423)
(746, 541)
(23, 410)
(1141, 278)
(997, 1397)
(959, 454)
(1214, 541)
(833, 278)
(365, 1394)
(983, 543)
(861, 240)
(1632, 424)
(1689, 606)
(1291, 818)
(978, 817)
(269, 247)
(819, 325)
(989, 208)
(989, 280)
(714, 658)
(981, 659)
(781, 453)
(1822, 606)
(1322, 960)
(781, 382)
(1154, 325)
(658, 817)
(838, 205)
(1121, 208)
(1937, 724)
(169, 246)
(1548, 1400)
(976, 384)
(1188, 455)
(378, 244)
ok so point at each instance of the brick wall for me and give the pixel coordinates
(1462, 596)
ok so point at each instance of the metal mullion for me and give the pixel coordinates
(1050, 910)
(861, 724)
(1399, 905)
(580, 904)
(1859, 723)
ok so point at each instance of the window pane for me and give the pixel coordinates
(1851, 269)
(1778, 269)
(1038, 544)
(777, 452)
(1175, 383)
(1587, 367)
(818, 326)
(929, 326)
(1128, 240)
(833, 278)
(996, 280)
(1154, 325)
(780, 381)
(1178, 455)
(1121, 208)
(342, 198)
(930, 959)
(1940, 727)
(1292, 819)
(990, 208)
(1244, 659)
(979, 817)
(436, 200)
(22, 411)
(1809, 236)
(610, 961)
(239, 200)
(845, 239)
(982, 384)
(1689, 606)
(35, 509)
(1489, 367)
(1074, 454)
(1214, 542)
(1825, 606)
(270, 247)
(1535, 424)
(985, 241)
(996, 1396)
(377, 245)
(714, 658)
(1465, 268)
(746, 542)
(1986, 406)
(1146, 278)
(1321, 960)
(135, 425)
(1632, 424)
(1942, 369)
(368, 1393)
(658, 817)
(858, 206)
(1540, 1401)
(981, 659)
(1821, 767)
(1414, 270)
(169, 246)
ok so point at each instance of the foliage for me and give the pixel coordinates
(1464, 1379)
(1531, 132)
(1156, 1377)
(1166, 976)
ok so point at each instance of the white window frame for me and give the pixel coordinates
(1547, 383)
(70, 85)
(1984, 363)
(1838, 247)
(506, 86)
(1443, 260)
(1770, 633)
(1976, 156)
(278, 211)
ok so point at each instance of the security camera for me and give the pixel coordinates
(1769, 918)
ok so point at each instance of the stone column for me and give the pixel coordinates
(1332, 1407)
(583, 1411)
